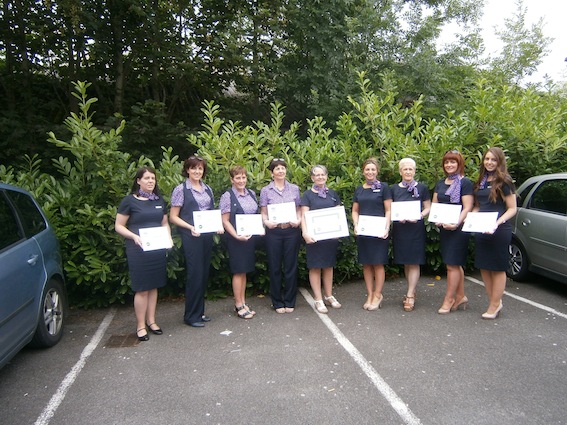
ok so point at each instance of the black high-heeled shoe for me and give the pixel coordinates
(157, 331)
(143, 337)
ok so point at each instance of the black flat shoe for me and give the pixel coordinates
(197, 324)
(157, 331)
(205, 318)
(143, 337)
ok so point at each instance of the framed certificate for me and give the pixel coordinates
(406, 210)
(249, 224)
(369, 225)
(208, 221)
(480, 222)
(444, 213)
(154, 238)
(327, 223)
(282, 213)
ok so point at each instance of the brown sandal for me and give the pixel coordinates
(409, 303)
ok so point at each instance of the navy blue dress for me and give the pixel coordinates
(454, 243)
(492, 251)
(371, 202)
(409, 238)
(321, 254)
(147, 268)
(241, 254)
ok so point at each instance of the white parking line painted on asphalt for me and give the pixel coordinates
(524, 300)
(395, 401)
(59, 395)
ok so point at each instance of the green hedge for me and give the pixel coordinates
(93, 174)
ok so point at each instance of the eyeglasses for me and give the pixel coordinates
(197, 157)
(453, 151)
(278, 159)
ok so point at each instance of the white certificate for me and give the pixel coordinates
(155, 238)
(326, 223)
(444, 213)
(282, 213)
(249, 224)
(369, 225)
(406, 210)
(480, 222)
(208, 221)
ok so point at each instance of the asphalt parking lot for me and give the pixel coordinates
(350, 366)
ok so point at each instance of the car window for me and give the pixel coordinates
(551, 196)
(521, 196)
(32, 220)
(10, 233)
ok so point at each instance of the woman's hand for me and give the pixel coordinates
(309, 239)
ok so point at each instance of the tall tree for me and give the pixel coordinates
(524, 48)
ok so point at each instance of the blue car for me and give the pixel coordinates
(33, 302)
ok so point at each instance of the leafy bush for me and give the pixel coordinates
(81, 200)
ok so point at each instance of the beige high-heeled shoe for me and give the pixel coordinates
(493, 315)
(462, 304)
(375, 306)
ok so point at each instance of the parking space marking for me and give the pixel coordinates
(59, 395)
(389, 394)
(524, 300)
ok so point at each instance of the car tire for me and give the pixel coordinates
(53, 315)
(519, 262)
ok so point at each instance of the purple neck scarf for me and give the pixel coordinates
(454, 191)
(374, 185)
(321, 191)
(150, 196)
(484, 180)
(412, 187)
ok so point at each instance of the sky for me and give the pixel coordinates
(554, 14)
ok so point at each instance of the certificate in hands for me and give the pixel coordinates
(445, 213)
(480, 222)
(369, 225)
(282, 213)
(207, 221)
(327, 223)
(406, 210)
(249, 224)
(154, 238)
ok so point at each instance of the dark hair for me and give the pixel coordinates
(275, 162)
(139, 174)
(501, 175)
(371, 160)
(237, 170)
(454, 155)
(192, 162)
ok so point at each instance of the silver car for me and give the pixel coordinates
(539, 242)
(33, 306)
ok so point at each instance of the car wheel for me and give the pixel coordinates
(52, 316)
(518, 266)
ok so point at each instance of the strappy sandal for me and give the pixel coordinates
(320, 307)
(243, 312)
(409, 303)
(332, 301)
(250, 309)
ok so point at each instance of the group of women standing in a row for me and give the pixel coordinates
(144, 207)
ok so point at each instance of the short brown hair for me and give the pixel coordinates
(192, 162)
(275, 162)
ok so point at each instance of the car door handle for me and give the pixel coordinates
(32, 260)
(526, 222)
